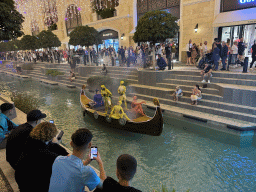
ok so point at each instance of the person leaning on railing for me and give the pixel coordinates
(6, 125)
(34, 167)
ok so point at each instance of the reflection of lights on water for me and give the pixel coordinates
(69, 102)
(101, 59)
(48, 100)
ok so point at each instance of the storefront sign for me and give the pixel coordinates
(232, 5)
(107, 34)
(246, 1)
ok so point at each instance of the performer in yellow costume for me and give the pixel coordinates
(118, 112)
(122, 90)
(106, 94)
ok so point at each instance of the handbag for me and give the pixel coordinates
(193, 97)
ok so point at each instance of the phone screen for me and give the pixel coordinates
(51, 121)
(94, 152)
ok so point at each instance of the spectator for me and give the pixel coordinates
(196, 95)
(104, 70)
(126, 166)
(241, 48)
(71, 173)
(207, 73)
(173, 50)
(177, 93)
(216, 55)
(189, 50)
(36, 160)
(17, 138)
(253, 54)
(168, 52)
(224, 55)
(6, 125)
(194, 53)
(233, 54)
(161, 63)
(122, 54)
(204, 48)
(18, 69)
(72, 76)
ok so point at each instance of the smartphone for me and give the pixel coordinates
(51, 121)
(94, 152)
(60, 135)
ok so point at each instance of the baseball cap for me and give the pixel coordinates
(35, 115)
(6, 106)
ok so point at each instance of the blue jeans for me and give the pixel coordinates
(223, 62)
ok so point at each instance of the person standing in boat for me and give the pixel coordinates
(98, 99)
(122, 90)
(106, 94)
(118, 112)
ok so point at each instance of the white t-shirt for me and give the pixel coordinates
(188, 46)
(234, 49)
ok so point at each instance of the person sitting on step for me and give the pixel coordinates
(177, 93)
(161, 62)
(207, 73)
(196, 95)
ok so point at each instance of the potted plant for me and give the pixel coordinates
(54, 74)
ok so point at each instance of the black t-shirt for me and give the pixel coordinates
(111, 185)
(208, 68)
(15, 143)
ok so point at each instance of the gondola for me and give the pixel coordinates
(142, 124)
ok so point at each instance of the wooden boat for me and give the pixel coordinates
(143, 124)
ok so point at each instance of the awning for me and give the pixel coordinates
(239, 17)
(66, 40)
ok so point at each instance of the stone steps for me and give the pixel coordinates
(246, 82)
(189, 88)
(135, 77)
(166, 92)
(191, 83)
(203, 109)
(223, 74)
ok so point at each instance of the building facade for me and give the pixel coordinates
(65, 15)
(223, 19)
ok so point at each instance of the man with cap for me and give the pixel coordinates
(6, 125)
(17, 138)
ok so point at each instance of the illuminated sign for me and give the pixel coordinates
(246, 1)
(107, 34)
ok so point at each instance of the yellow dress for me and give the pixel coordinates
(106, 94)
(118, 113)
(122, 90)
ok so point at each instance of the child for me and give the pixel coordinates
(178, 93)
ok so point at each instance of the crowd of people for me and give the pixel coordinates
(141, 56)
(220, 53)
(42, 164)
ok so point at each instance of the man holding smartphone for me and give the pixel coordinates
(72, 173)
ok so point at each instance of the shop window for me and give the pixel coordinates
(73, 18)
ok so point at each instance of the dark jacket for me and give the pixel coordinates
(161, 63)
(15, 143)
(254, 51)
(34, 167)
(224, 52)
(241, 48)
(216, 54)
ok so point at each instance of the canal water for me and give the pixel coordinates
(180, 158)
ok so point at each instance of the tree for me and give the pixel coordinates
(48, 39)
(10, 21)
(13, 45)
(155, 27)
(29, 42)
(84, 36)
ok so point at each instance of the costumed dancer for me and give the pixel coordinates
(118, 112)
(137, 106)
(107, 100)
(98, 99)
(122, 90)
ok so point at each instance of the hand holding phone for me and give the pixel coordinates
(51, 121)
(60, 135)
(94, 152)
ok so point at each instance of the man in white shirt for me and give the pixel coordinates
(233, 54)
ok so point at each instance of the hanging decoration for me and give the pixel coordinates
(34, 27)
(50, 12)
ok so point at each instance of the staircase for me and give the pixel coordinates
(212, 101)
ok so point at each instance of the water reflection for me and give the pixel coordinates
(179, 158)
